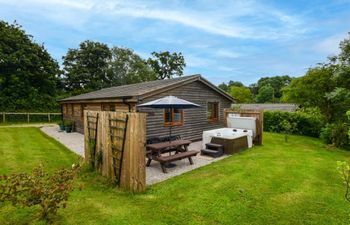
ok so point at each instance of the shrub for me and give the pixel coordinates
(344, 171)
(336, 134)
(303, 123)
(50, 192)
(68, 123)
(287, 128)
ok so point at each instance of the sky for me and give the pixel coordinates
(221, 40)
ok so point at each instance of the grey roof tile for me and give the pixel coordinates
(131, 90)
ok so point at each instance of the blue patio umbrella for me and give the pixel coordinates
(169, 102)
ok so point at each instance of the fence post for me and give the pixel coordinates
(48, 117)
(3, 117)
(28, 120)
(133, 177)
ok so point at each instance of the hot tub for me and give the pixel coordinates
(229, 137)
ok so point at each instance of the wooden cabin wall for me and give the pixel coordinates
(195, 120)
(75, 111)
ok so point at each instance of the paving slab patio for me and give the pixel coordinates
(75, 142)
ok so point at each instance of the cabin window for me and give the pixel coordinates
(112, 107)
(173, 117)
(212, 111)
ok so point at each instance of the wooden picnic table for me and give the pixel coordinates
(180, 147)
(168, 144)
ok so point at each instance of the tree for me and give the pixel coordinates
(266, 94)
(223, 86)
(320, 88)
(344, 55)
(254, 88)
(241, 94)
(235, 83)
(226, 87)
(86, 68)
(276, 82)
(344, 171)
(126, 67)
(166, 64)
(28, 74)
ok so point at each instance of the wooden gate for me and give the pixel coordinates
(119, 152)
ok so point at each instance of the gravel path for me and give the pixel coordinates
(74, 141)
(154, 174)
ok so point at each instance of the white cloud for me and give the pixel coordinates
(226, 69)
(330, 45)
(238, 19)
(80, 4)
(197, 61)
(227, 54)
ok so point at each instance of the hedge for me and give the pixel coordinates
(305, 124)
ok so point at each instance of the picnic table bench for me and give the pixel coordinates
(180, 147)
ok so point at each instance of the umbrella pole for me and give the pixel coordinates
(170, 133)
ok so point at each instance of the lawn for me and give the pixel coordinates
(278, 183)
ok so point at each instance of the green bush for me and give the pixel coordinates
(50, 192)
(68, 123)
(305, 123)
(336, 134)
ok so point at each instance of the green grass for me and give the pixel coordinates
(278, 183)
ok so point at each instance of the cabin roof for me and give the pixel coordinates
(142, 90)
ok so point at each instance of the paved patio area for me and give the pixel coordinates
(75, 142)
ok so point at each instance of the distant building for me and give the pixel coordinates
(268, 106)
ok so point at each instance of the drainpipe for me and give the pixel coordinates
(138, 102)
(61, 106)
(127, 103)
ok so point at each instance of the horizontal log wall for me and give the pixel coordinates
(195, 120)
(74, 111)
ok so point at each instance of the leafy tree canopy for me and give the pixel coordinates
(126, 67)
(223, 86)
(266, 94)
(86, 68)
(326, 86)
(344, 56)
(166, 64)
(241, 94)
(226, 87)
(276, 82)
(28, 74)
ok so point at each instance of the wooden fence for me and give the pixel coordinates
(258, 114)
(5, 115)
(115, 146)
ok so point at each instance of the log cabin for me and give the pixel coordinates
(188, 123)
